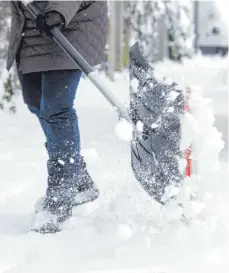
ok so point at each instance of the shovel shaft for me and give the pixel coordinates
(76, 57)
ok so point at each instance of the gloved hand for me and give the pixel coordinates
(49, 20)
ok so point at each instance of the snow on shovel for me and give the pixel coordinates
(154, 115)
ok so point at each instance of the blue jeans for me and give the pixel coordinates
(50, 96)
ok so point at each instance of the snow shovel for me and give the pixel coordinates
(154, 112)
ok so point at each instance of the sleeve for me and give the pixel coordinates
(67, 9)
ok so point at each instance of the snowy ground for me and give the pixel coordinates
(116, 233)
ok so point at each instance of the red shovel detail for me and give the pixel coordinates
(188, 151)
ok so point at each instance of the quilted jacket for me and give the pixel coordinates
(85, 28)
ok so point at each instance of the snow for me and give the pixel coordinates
(172, 95)
(27, 1)
(124, 130)
(140, 126)
(223, 11)
(188, 130)
(134, 85)
(124, 230)
(61, 162)
(90, 154)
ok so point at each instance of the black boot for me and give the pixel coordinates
(87, 190)
(57, 205)
(65, 190)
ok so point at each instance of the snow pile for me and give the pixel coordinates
(189, 130)
(206, 144)
(208, 74)
(200, 134)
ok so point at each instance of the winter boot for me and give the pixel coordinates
(87, 191)
(67, 188)
(58, 202)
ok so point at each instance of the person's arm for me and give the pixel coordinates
(67, 9)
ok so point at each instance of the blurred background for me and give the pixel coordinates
(165, 29)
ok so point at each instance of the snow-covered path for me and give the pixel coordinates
(113, 234)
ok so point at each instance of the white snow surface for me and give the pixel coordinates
(124, 130)
(124, 230)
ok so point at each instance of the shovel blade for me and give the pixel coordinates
(155, 153)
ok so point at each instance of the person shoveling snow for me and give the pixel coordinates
(49, 81)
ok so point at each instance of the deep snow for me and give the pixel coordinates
(118, 232)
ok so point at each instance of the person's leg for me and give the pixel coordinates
(58, 114)
(63, 138)
(69, 183)
(31, 92)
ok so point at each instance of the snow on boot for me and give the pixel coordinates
(61, 191)
(86, 191)
(50, 216)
